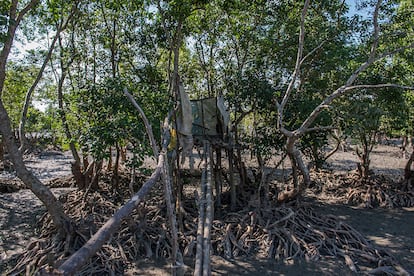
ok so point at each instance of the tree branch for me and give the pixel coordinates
(298, 58)
(398, 50)
(146, 123)
(320, 128)
(25, 10)
(371, 58)
(384, 85)
(313, 51)
(348, 85)
(338, 93)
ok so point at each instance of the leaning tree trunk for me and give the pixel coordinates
(29, 93)
(295, 153)
(62, 112)
(53, 206)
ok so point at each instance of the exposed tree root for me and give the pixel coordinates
(279, 233)
(144, 234)
(285, 232)
(10, 186)
(375, 191)
(380, 191)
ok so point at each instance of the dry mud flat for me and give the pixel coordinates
(21, 210)
(390, 229)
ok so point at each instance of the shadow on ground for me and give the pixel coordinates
(389, 229)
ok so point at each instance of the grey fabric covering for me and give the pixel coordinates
(185, 124)
(210, 117)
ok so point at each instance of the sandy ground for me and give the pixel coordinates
(46, 166)
(20, 211)
(389, 229)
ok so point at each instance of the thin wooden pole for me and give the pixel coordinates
(233, 195)
(205, 219)
(209, 213)
(198, 268)
(171, 216)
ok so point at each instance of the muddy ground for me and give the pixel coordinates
(390, 229)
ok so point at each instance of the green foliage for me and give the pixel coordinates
(244, 50)
(111, 120)
(363, 118)
(251, 98)
(312, 144)
(361, 121)
(249, 92)
(4, 20)
(18, 80)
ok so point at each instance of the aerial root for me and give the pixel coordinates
(284, 232)
(375, 191)
(380, 191)
(143, 234)
(279, 233)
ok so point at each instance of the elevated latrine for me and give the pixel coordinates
(199, 120)
(210, 121)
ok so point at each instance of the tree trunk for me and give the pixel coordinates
(22, 124)
(368, 142)
(233, 192)
(294, 170)
(115, 175)
(1, 149)
(124, 154)
(239, 162)
(406, 144)
(53, 206)
(263, 191)
(217, 178)
(80, 178)
(408, 172)
(65, 124)
(109, 165)
(205, 206)
(297, 156)
(176, 256)
(304, 170)
(97, 168)
(297, 164)
(62, 113)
